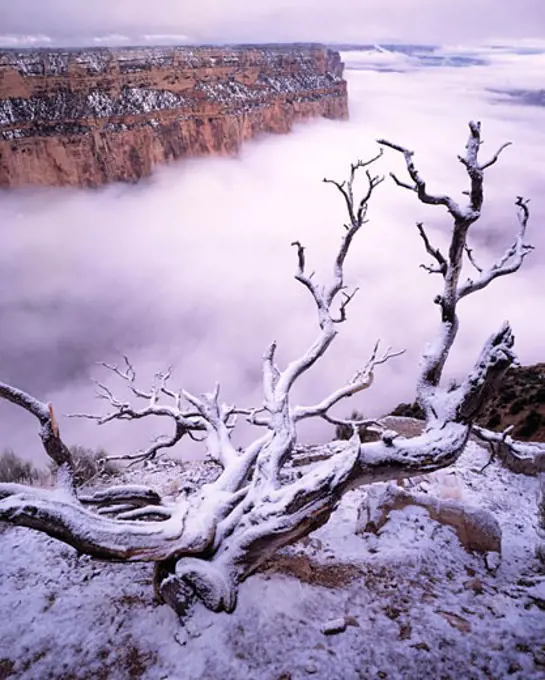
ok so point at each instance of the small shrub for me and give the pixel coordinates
(16, 470)
(494, 420)
(6, 668)
(88, 463)
(409, 411)
(517, 406)
(540, 395)
(530, 425)
(91, 464)
(507, 395)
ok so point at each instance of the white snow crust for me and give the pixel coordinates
(415, 603)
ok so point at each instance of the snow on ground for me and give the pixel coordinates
(416, 604)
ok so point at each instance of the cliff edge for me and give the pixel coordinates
(519, 401)
(86, 117)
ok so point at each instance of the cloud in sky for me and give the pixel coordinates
(278, 20)
(193, 267)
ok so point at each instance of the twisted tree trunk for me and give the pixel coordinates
(207, 541)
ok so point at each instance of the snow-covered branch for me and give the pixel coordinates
(496, 357)
(133, 494)
(324, 297)
(216, 418)
(278, 383)
(496, 156)
(55, 448)
(442, 264)
(419, 186)
(510, 261)
(206, 541)
(362, 380)
(450, 266)
(186, 421)
(526, 458)
(357, 210)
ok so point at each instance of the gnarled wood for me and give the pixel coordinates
(211, 538)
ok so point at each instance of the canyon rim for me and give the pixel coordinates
(87, 117)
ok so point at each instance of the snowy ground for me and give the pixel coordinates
(416, 603)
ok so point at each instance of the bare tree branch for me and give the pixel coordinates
(435, 355)
(279, 383)
(362, 380)
(419, 186)
(510, 261)
(495, 157)
(215, 417)
(147, 512)
(471, 258)
(347, 299)
(186, 422)
(205, 542)
(129, 375)
(434, 252)
(526, 458)
(134, 494)
(55, 448)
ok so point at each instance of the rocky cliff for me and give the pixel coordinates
(519, 401)
(88, 117)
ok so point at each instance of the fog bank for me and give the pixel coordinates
(193, 267)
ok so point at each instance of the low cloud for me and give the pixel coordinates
(193, 267)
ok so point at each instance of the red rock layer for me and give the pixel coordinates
(89, 117)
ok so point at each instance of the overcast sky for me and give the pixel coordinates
(430, 21)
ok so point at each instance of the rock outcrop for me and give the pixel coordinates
(477, 529)
(88, 117)
(519, 401)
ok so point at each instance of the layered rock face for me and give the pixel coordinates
(88, 117)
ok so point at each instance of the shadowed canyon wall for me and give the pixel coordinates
(91, 116)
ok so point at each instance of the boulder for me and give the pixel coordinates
(477, 529)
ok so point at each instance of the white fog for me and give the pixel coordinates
(193, 267)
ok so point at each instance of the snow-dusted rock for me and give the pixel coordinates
(492, 561)
(477, 529)
(334, 626)
(537, 594)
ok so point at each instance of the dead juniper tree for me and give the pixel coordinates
(208, 540)
(523, 457)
